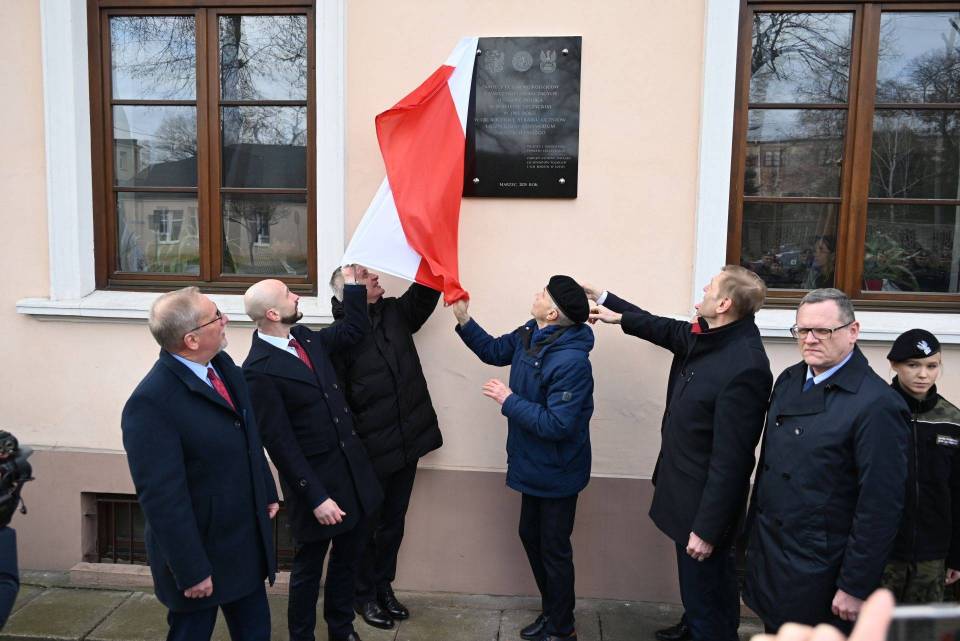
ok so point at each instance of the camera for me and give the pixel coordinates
(15, 471)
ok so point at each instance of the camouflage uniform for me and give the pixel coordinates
(915, 583)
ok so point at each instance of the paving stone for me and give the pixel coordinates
(417, 600)
(511, 621)
(62, 614)
(631, 621)
(140, 618)
(451, 624)
(26, 594)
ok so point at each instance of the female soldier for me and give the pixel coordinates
(926, 554)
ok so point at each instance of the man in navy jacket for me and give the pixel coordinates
(548, 406)
(328, 482)
(201, 477)
(716, 398)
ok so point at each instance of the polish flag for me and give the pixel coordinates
(410, 228)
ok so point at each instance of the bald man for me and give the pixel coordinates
(305, 423)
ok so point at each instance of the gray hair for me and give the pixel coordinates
(173, 315)
(829, 293)
(336, 283)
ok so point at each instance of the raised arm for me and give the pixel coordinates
(490, 350)
(356, 321)
(416, 305)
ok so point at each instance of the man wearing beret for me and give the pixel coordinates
(716, 398)
(548, 406)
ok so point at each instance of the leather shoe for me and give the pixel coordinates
(388, 601)
(536, 629)
(376, 616)
(678, 632)
(353, 636)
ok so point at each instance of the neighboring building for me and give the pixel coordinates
(152, 144)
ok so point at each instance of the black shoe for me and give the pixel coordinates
(536, 629)
(388, 601)
(353, 636)
(376, 616)
(678, 632)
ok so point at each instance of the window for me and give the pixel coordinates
(846, 158)
(203, 123)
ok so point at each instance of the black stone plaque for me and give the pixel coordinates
(524, 119)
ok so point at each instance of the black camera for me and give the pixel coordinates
(14, 472)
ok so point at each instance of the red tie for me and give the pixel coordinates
(220, 387)
(302, 353)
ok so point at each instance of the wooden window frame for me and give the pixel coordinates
(208, 103)
(853, 197)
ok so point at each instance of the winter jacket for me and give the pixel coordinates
(384, 383)
(828, 494)
(932, 502)
(716, 399)
(548, 413)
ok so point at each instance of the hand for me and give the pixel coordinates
(350, 274)
(495, 389)
(460, 310)
(845, 606)
(698, 548)
(200, 590)
(272, 510)
(329, 513)
(952, 576)
(592, 292)
(872, 626)
(601, 313)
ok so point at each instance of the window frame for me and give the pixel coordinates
(855, 177)
(209, 158)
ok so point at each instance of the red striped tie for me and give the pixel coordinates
(220, 387)
(302, 353)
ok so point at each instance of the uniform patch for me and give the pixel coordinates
(566, 396)
(947, 441)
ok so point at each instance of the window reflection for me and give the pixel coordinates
(265, 234)
(919, 58)
(912, 248)
(155, 146)
(157, 233)
(263, 57)
(153, 57)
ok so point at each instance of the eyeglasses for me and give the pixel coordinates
(820, 333)
(216, 318)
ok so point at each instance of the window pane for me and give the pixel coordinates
(157, 233)
(265, 234)
(919, 59)
(790, 246)
(912, 248)
(915, 154)
(794, 152)
(263, 57)
(153, 57)
(264, 147)
(155, 146)
(800, 57)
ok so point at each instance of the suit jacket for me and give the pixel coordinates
(203, 483)
(716, 399)
(307, 426)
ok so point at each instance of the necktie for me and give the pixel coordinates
(302, 353)
(808, 384)
(220, 387)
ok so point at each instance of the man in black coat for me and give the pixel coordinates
(716, 398)
(830, 484)
(395, 419)
(307, 427)
(201, 477)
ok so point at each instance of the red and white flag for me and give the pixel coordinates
(410, 228)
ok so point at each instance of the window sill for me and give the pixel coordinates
(874, 326)
(103, 305)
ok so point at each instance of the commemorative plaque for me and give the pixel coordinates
(524, 119)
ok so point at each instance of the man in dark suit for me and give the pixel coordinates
(201, 477)
(328, 482)
(716, 398)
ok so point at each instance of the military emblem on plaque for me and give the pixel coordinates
(523, 125)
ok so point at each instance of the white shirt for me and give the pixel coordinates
(279, 343)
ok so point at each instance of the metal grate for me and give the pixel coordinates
(120, 526)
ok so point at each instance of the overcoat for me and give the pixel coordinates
(717, 395)
(548, 413)
(307, 426)
(828, 494)
(202, 481)
(384, 381)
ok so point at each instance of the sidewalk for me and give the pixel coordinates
(49, 608)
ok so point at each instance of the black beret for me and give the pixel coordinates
(915, 343)
(569, 297)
